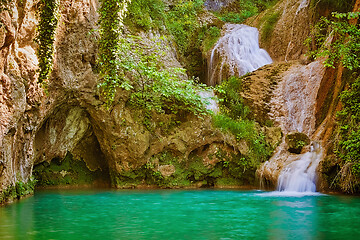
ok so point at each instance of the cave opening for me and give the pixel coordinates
(68, 153)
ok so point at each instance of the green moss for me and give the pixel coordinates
(18, 191)
(67, 171)
(268, 28)
(232, 168)
(228, 182)
(209, 36)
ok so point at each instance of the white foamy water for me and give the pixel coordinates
(300, 175)
(289, 194)
(237, 52)
(210, 100)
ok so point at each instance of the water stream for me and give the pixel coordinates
(236, 53)
(300, 175)
(292, 105)
(293, 109)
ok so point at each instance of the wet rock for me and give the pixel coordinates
(296, 141)
(167, 170)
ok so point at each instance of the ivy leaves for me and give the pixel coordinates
(126, 63)
(155, 88)
(345, 46)
(46, 36)
(112, 13)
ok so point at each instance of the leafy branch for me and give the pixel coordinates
(345, 45)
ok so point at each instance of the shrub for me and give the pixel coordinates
(233, 118)
(344, 48)
(241, 10)
(181, 21)
(145, 14)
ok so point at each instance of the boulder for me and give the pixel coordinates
(296, 141)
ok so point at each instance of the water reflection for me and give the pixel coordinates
(294, 219)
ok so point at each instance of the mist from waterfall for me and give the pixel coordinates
(236, 53)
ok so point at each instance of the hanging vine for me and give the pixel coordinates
(46, 36)
(112, 13)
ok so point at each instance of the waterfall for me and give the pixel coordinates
(293, 108)
(300, 175)
(236, 53)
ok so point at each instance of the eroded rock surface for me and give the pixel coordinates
(284, 28)
(70, 123)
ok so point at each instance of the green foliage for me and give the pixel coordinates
(23, 189)
(231, 103)
(242, 129)
(345, 46)
(243, 9)
(46, 36)
(344, 49)
(111, 16)
(234, 119)
(208, 37)
(332, 5)
(18, 190)
(338, 40)
(348, 148)
(128, 64)
(181, 21)
(152, 87)
(145, 14)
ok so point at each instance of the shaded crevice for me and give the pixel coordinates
(67, 151)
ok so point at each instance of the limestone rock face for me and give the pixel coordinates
(217, 5)
(284, 28)
(20, 96)
(71, 120)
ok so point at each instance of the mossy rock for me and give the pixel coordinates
(296, 141)
(68, 171)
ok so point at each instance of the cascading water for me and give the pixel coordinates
(236, 53)
(292, 103)
(293, 109)
(300, 175)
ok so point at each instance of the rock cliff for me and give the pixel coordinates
(49, 133)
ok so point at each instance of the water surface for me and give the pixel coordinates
(180, 214)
